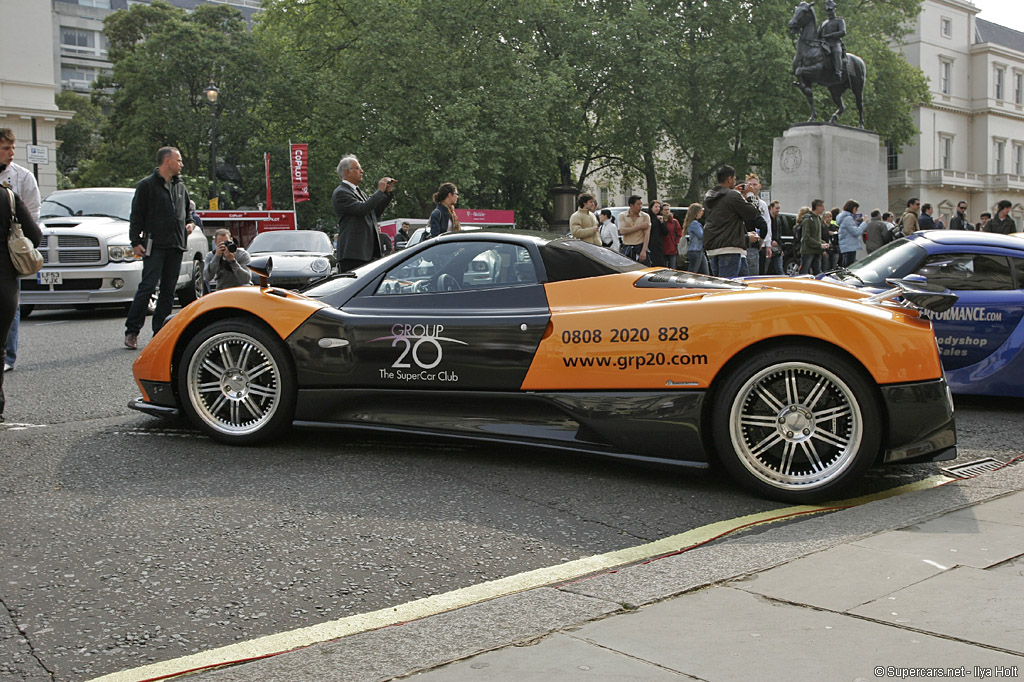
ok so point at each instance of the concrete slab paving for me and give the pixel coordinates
(405, 649)
(840, 578)
(723, 634)
(966, 603)
(775, 545)
(1008, 510)
(560, 657)
(1011, 567)
(952, 540)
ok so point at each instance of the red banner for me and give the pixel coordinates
(300, 172)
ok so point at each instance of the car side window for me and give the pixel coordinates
(968, 272)
(1018, 272)
(457, 266)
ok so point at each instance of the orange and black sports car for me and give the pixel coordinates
(797, 386)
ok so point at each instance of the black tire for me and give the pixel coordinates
(194, 289)
(26, 310)
(797, 424)
(791, 268)
(236, 382)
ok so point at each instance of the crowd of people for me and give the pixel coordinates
(735, 233)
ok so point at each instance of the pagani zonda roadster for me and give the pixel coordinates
(797, 386)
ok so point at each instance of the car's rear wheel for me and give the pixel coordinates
(797, 424)
(236, 382)
(194, 289)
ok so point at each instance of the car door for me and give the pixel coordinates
(456, 316)
(990, 287)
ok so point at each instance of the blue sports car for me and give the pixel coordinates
(981, 338)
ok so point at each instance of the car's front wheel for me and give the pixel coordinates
(797, 424)
(791, 268)
(236, 382)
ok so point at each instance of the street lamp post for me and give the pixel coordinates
(212, 93)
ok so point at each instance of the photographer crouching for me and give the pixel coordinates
(226, 265)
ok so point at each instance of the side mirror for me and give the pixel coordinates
(262, 267)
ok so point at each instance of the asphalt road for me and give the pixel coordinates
(126, 540)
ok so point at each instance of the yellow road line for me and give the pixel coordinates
(466, 596)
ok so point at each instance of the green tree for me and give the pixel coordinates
(163, 60)
(78, 138)
(506, 103)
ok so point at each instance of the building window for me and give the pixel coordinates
(946, 27)
(1000, 81)
(77, 77)
(77, 40)
(1018, 88)
(603, 198)
(946, 152)
(102, 4)
(1018, 159)
(945, 74)
(891, 157)
(998, 155)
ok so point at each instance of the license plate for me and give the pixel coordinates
(49, 278)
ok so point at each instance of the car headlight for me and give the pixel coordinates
(118, 254)
(320, 265)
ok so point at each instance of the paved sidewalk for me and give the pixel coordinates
(926, 585)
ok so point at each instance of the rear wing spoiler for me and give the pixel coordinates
(916, 293)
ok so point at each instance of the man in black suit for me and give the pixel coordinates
(358, 215)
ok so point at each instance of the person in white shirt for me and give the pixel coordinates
(21, 181)
(609, 230)
(758, 254)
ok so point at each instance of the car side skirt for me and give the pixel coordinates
(661, 426)
(921, 426)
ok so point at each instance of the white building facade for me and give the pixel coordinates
(27, 88)
(971, 144)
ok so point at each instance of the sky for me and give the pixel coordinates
(1008, 13)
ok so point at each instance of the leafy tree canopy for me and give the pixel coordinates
(507, 100)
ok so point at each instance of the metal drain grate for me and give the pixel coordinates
(975, 468)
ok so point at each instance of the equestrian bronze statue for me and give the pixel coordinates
(821, 59)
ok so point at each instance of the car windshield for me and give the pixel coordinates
(896, 259)
(92, 202)
(302, 240)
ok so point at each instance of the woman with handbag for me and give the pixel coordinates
(8, 274)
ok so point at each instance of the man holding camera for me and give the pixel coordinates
(358, 215)
(227, 265)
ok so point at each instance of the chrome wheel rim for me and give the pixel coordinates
(234, 383)
(796, 426)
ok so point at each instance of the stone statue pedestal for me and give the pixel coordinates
(831, 162)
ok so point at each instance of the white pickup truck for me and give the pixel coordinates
(87, 255)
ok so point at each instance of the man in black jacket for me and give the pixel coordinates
(358, 215)
(725, 232)
(1002, 223)
(959, 221)
(159, 229)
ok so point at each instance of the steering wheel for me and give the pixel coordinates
(446, 282)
